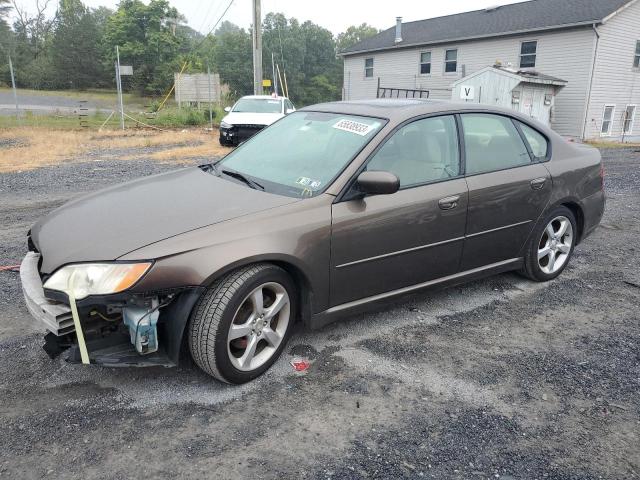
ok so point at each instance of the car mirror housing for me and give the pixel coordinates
(227, 109)
(289, 110)
(378, 183)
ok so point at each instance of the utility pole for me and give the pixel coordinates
(210, 110)
(13, 86)
(119, 85)
(275, 79)
(257, 48)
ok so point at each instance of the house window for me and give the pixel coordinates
(451, 61)
(528, 52)
(425, 63)
(636, 58)
(629, 117)
(607, 120)
(368, 67)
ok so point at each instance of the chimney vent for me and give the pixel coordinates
(398, 29)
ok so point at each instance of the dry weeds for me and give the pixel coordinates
(29, 148)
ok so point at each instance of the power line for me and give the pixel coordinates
(220, 19)
(209, 11)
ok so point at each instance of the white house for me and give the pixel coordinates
(593, 45)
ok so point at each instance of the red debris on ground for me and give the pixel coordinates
(10, 268)
(300, 364)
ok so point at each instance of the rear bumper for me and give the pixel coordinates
(55, 317)
(593, 208)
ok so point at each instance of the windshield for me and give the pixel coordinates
(301, 154)
(258, 105)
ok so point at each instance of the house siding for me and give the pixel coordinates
(615, 81)
(566, 54)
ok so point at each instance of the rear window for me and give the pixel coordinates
(492, 143)
(538, 143)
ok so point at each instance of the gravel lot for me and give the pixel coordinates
(500, 378)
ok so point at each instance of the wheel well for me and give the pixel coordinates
(305, 297)
(579, 214)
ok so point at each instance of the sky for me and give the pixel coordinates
(335, 15)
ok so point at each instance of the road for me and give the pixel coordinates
(47, 103)
(501, 378)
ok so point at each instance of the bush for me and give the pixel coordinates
(181, 117)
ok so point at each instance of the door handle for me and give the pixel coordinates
(538, 183)
(449, 203)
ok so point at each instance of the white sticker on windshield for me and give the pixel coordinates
(354, 127)
(309, 182)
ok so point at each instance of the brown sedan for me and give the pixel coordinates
(329, 210)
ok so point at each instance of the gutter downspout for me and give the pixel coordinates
(591, 75)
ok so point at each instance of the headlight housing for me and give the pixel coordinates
(84, 279)
(225, 125)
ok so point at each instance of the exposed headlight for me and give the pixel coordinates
(86, 279)
(225, 125)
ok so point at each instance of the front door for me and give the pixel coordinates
(508, 189)
(386, 242)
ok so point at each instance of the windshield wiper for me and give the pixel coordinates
(210, 168)
(237, 175)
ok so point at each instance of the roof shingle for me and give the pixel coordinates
(519, 17)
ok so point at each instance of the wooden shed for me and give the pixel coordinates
(525, 91)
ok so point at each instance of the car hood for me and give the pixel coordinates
(247, 118)
(110, 223)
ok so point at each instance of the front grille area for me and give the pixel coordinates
(246, 131)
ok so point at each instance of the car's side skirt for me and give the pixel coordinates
(334, 313)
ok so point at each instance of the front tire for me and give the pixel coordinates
(242, 323)
(551, 246)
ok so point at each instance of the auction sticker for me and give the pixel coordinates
(354, 127)
(309, 182)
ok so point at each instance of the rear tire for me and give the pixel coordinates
(242, 323)
(551, 246)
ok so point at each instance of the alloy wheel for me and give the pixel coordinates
(259, 326)
(555, 245)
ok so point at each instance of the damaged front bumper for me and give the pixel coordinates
(237, 134)
(120, 330)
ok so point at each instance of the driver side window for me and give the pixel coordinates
(421, 152)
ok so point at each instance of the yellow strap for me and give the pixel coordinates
(172, 88)
(84, 353)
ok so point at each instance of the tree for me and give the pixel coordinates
(5, 6)
(32, 33)
(307, 53)
(34, 29)
(232, 58)
(6, 42)
(149, 39)
(354, 35)
(75, 47)
(5, 30)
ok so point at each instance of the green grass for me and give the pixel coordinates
(170, 117)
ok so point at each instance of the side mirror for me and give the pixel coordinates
(378, 183)
(289, 110)
(227, 109)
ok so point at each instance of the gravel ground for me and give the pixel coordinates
(501, 378)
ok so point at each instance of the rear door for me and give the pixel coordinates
(387, 242)
(508, 189)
